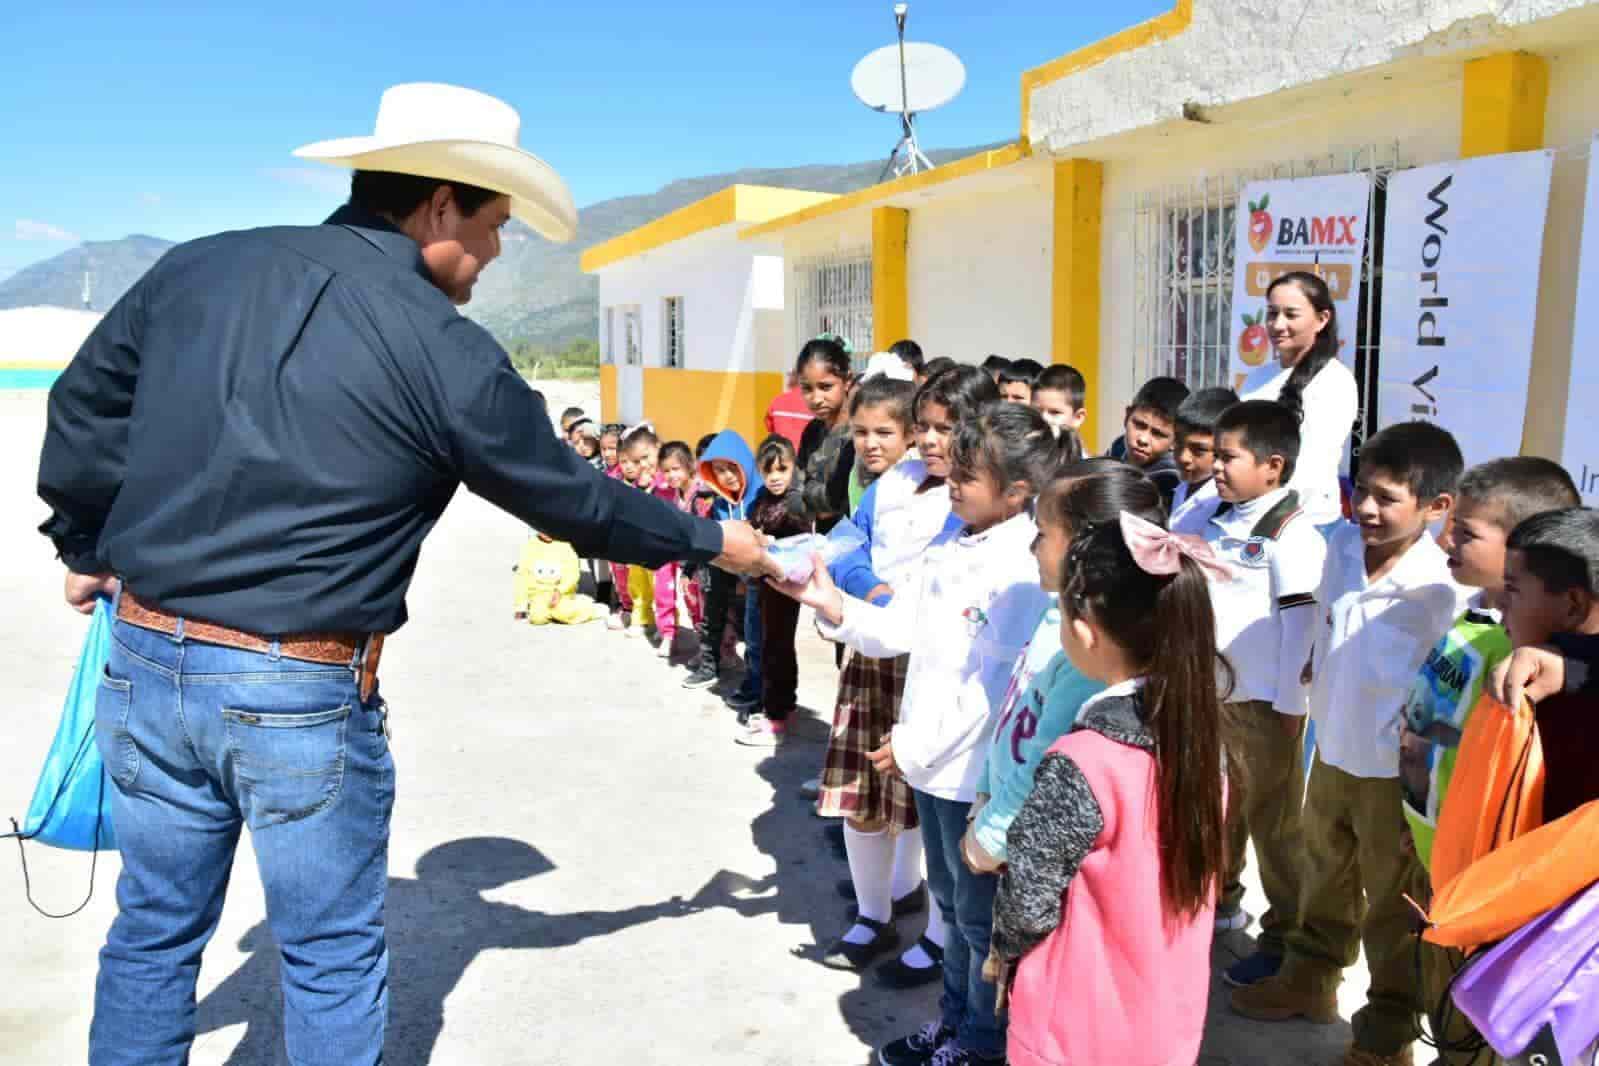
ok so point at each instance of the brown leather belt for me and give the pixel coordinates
(336, 649)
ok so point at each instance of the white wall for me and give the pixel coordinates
(723, 283)
(979, 272)
(1238, 50)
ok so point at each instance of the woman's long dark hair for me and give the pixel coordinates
(1165, 625)
(1324, 351)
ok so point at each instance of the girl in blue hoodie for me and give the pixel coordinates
(1046, 691)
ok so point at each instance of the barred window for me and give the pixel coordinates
(632, 336)
(672, 332)
(835, 296)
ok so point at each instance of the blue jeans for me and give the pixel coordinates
(966, 902)
(751, 685)
(200, 741)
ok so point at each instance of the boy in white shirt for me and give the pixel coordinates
(1195, 498)
(1265, 626)
(1387, 596)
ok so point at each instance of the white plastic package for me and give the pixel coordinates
(795, 556)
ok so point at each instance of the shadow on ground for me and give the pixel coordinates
(438, 923)
(803, 888)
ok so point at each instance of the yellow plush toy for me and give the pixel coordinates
(546, 585)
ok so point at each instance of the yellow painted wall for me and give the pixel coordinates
(890, 292)
(1075, 290)
(687, 404)
(1504, 98)
(610, 411)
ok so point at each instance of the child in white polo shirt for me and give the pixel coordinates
(1265, 625)
(1386, 597)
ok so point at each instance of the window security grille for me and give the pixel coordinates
(835, 296)
(672, 330)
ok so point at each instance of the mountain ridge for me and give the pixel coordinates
(536, 292)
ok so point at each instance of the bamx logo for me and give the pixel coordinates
(1327, 229)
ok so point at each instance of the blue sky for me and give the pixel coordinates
(178, 119)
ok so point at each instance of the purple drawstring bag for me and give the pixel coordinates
(1535, 994)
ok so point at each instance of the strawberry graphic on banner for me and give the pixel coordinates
(1311, 224)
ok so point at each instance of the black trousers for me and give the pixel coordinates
(721, 592)
(779, 660)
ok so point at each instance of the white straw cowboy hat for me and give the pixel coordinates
(456, 134)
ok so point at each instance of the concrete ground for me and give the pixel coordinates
(585, 868)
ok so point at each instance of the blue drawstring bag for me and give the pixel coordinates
(71, 805)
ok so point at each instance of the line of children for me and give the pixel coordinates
(964, 620)
(1346, 632)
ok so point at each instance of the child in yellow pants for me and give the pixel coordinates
(641, 587)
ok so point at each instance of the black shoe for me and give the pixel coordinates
(843, 955)
(912, 902)
(702, 676)
(896, 974)
(742, 701)
(918, 1048)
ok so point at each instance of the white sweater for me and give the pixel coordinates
(1332, 402)
(965, 618)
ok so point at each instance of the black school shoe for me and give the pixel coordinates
(704, 675)
(896, 974)
(918, 1048)
(912, 902)
(843, 955)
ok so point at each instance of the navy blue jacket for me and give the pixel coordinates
(264, 429)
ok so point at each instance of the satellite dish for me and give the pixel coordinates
(905, 79)
(933, 77)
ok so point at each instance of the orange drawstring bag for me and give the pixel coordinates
(1496, 794)
(1506, 889)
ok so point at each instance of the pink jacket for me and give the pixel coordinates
(1114, 981)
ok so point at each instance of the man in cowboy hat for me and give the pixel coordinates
(248, 453)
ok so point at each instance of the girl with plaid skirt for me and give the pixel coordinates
(902, 511)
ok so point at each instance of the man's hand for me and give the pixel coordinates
(83, 588)
(819, 593)
(1533, 672)
(744, 552)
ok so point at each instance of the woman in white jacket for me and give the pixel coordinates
(1308, 379)
(964, 618)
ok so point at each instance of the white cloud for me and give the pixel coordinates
(325, 180)
(27, 229)
(150, 199)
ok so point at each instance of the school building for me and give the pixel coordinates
(1102, 235)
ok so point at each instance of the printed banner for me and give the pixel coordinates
(1581, 453)
(1314, 224)
(1459, 297)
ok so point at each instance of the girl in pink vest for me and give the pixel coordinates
(1103, 918)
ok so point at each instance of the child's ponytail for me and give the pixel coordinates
(1164, 623)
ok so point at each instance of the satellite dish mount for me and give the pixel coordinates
(907, 79)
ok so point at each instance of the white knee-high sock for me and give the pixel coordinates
(907, 862)
(871, 868)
